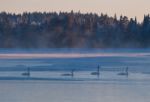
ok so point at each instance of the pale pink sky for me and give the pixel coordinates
(130, 8)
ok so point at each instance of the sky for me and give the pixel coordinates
(130, 8)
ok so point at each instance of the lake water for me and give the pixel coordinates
(46, 83)
(74, 91)
(138, 60)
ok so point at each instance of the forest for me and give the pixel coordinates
(72, 30)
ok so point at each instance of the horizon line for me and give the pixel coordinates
(58, 12)
(69, 55)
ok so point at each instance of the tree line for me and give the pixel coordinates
(72, 30)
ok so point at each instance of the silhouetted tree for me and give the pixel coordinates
(55, 30)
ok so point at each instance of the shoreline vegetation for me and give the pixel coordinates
(72, 30)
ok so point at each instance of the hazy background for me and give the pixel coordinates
(130, 8)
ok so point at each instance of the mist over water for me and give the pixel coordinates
(138, 60)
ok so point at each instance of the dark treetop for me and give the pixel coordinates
(72, 30)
